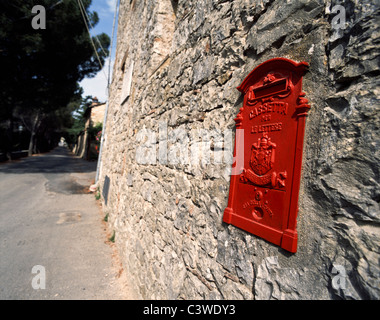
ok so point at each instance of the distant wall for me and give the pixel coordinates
(97, 113)
(81, 146)
(187, 58)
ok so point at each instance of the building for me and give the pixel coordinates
(177, 67)
(86, 146)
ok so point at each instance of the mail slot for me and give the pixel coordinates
(266, 175)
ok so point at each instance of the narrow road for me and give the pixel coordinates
(53, 243)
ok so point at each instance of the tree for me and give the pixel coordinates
(78, 119)
(41, 68)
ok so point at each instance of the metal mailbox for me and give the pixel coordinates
(264, 187)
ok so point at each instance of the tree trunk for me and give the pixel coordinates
(32, 142)
(9, 146)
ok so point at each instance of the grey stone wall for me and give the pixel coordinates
(188, 58)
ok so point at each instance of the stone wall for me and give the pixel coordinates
(97, 113)
(188, 58)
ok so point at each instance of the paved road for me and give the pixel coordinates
(48, 219)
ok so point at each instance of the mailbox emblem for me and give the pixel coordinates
(263, 195)
(262, 156)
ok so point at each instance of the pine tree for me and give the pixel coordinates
(41, 68)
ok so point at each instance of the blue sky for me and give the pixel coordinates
(97, 86)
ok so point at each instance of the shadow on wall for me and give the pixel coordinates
(106, 187)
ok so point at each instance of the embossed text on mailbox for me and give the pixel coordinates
(263, 198)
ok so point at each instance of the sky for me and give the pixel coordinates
(97, 86)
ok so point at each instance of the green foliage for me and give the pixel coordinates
(97, 195)
(41, 68)
(93, 130)
(78, 119)
(112, 238)
(78, 122)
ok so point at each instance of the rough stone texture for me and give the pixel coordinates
(189, 57)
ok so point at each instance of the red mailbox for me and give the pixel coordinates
(265, 180)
